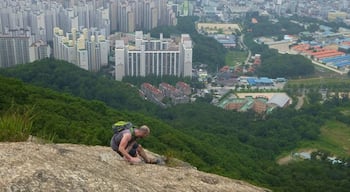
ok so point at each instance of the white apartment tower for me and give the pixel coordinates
(120, 59)
(146, 56)
(186, 54)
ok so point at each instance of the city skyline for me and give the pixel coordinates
(27, 25)
(31, 26)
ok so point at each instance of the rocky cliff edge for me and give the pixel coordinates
(30, 166)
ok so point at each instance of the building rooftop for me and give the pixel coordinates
(280, 99)
(151, 88)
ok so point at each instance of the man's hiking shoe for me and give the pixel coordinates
(158, 161)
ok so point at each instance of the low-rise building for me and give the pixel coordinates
(152, 93)
(174, 94)
(183, 87)
(280, 99)
(166, 90)
(228, 41)
(259, 103)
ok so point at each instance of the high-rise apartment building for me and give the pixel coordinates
(86, 48)
(128, 16)
(18, 47)
(14, 50)
(145, 56)
(39, 50)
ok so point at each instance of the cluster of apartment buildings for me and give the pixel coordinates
(40, 17)
(178, 94)
(28, 26)
(140, 55)
(21, 48)
(226, 11)
(140, 15)
(85, 48)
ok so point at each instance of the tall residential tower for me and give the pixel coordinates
(145, 56)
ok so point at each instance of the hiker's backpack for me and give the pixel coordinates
(121, 126)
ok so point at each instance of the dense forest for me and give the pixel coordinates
(266, 27)
(275, 64)
(279, 65)
(237, 145)
(66, 119)
(64, 77)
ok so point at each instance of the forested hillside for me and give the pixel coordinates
(66, 119)
(238, 145)
(64, 77)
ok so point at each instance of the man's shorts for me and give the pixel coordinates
(132, 152)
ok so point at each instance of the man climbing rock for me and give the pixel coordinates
(124, 143)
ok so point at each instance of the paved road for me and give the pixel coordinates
(329, 68)
(300, 102)
(241, 39)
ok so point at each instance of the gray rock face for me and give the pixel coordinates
(28, 166)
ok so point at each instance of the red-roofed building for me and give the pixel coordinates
(184, 87)
(225, 68)
(254, 20)
(152, 92)
(168, 90)
(176, 95)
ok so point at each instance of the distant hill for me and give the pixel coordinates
(68, 78)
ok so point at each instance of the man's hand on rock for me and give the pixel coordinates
(135, 160)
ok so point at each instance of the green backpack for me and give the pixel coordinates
(121, 126)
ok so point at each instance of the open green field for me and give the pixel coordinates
(319, 81)
(335, 138)
(235, 57)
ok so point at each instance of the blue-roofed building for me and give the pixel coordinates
(344, 48)
(263, 81)
(336, 59)
(281, 80)
(338, 62)
(342, 64)
(228, 41)
(251, 81)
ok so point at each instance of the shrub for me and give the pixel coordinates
(16, 125)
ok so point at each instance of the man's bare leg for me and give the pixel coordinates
(142, 153)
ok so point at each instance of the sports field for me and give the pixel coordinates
(335, 138)
(234, 58)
